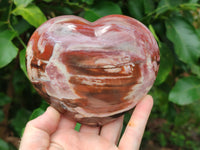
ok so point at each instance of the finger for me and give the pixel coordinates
(112, 130)
(64, 126)
(89, 129)
(64, 132)
(135, 129)
(37, 132)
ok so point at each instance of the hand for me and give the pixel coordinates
(52, 131)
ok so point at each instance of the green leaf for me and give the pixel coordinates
(185, 91)
(166, 63)
(77, 127)
(162, 139)
(32, 14)
(19, 82)
(62, 10)
(161, 102)
(20, 120)
(135, 8)
(193, 1)
(185, 39)
(3, 145)
(8, 51)
(1, 115)
(22, 3)
(22, 61)
(102, 8)
(91, 15)
(40, 110)
(154, 34)
(36, 113)
(195, 69)
(149, 6)
(47, 1)
(127, 117)
(198, 32)
(89, 2)
(189, 6)
(4, 99)
(44, 105)
(2, 23)
(167, 5)
(22, 26)
(8, 34)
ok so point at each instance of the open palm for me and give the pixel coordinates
(52, 131)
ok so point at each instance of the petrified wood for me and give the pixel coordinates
(92, 72)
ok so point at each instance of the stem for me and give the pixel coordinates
(189, 6)
(185, 6)
(76, 5)
(11, 27)
(17, 36)
(9, 12)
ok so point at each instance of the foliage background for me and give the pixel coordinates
(174, 121)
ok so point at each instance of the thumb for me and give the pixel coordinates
(37, 132)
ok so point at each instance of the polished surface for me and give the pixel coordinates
(92, 72)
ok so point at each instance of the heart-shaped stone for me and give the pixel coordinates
(92, 72)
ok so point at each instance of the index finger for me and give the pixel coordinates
(133, 134)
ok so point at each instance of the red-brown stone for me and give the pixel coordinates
(92, 72)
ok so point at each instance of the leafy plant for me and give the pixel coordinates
(174, 24)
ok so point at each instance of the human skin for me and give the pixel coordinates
(52, 131)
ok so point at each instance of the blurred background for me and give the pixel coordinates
(174, 123)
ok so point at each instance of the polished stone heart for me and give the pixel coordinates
(92, 72)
